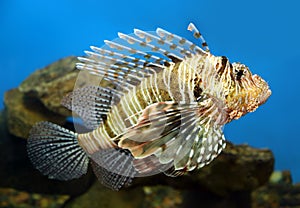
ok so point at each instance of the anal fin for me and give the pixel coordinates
(113, 167)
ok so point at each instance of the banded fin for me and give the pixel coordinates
(127, 60)
(121, 61)
(122, 70)
(174, 173)
(116, 168)
(185, 45)
(175, 132)
(55, 152)
(91, 103)
(172, 48)
(209, 145)
(159, 124)
(146, 57)
(198, 35)
(113, 167)
(147, 46)
(150, 166)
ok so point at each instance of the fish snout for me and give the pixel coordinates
(264, 90)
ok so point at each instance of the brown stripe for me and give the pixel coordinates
(197, 35)
(223, 65)
(204, 44)
(182, 41)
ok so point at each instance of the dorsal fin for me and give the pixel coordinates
(127, 60)
(146, 44)
(184, 43)
(198, 35)
(173, 48)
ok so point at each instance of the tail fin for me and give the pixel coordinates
(55, 152)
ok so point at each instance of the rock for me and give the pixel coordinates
(238, 168)
(279, 192)
(14, 198)
(51, 83)
(3, 127)
(227, 182)
(162, 196)
(22, 112)
(157, 196)
(102, 197)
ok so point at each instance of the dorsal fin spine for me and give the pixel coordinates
(192, 47)
(117, 46)
(130, 40)
(144, 35)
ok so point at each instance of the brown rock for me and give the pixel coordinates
(14, 198)
(238, 168)
(227, 182)
(22, 112)
(51, 83)
(102, 197)
(279, 192)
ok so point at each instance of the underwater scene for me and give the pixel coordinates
(159, 104)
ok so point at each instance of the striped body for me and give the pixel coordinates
(174, 83)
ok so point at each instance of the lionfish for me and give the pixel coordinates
(164, 110)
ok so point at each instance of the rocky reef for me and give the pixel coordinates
(241, 176)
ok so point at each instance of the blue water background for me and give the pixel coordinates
(262, 34)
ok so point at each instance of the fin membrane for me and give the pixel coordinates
(55, 152)
(113, 167)
(150, 166)
(91, 103)
(174, 173)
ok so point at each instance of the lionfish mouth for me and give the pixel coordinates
(265, 90)
(264, 97)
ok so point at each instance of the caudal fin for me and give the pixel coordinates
(55, 152)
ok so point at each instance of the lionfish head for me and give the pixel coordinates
(248, 91)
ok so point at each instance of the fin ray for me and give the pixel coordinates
(185, 44)
(127, 60)
(173, 49)
(55, 152)
(113, 167)
(176, 132)
(91, 103)
(159, 124)
(197, 35)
